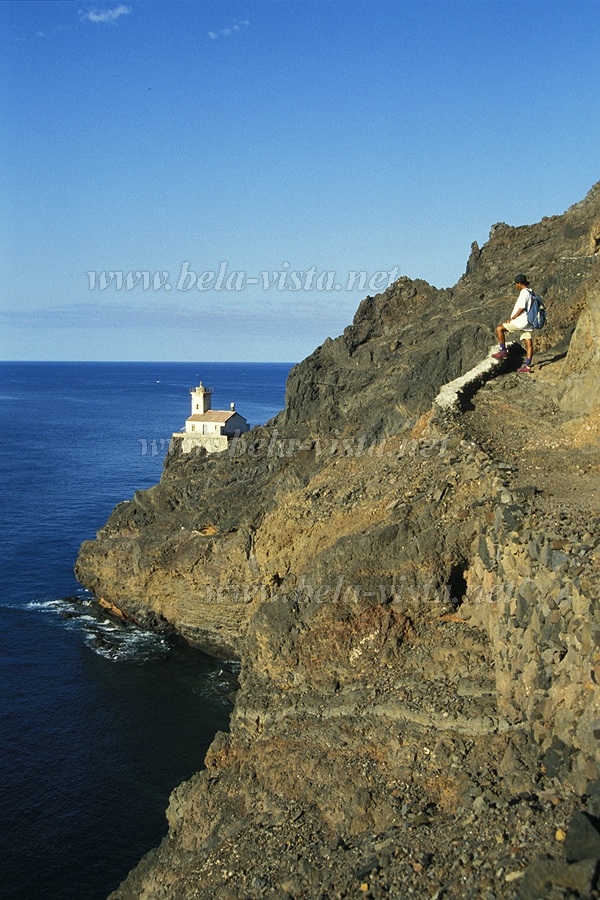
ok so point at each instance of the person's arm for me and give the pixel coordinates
(520, 309)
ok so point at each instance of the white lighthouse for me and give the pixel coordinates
(207, 427)
(201, 399)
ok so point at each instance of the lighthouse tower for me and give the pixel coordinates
(201, 400)
(208, 428)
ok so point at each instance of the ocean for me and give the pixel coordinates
(99, 722)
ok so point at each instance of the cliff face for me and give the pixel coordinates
(210, 529)
(413, 593)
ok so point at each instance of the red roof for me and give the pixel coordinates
(213, 415)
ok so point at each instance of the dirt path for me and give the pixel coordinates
(554, 458)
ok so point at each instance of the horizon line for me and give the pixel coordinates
(184, 362)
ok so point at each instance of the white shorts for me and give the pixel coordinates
(512, 329)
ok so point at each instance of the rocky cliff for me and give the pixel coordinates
(410, 582)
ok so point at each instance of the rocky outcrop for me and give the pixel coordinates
(411, 587)
(581, 376)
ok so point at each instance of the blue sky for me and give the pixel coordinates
(262, 140)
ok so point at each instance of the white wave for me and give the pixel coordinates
(106, 637)
(44, 604)
(126, 644)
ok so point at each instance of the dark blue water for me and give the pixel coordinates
(97, 723)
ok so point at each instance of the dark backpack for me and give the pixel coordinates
(536, 314)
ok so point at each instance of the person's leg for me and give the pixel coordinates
(528, 341)
(501, 335)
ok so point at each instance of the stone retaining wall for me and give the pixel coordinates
(538, 596)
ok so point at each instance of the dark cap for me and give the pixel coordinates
(521, 279)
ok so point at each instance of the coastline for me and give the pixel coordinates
(453, 688)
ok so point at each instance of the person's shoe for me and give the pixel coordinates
(526, 369)
(501, 354)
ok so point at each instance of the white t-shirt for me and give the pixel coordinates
(523, 300)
